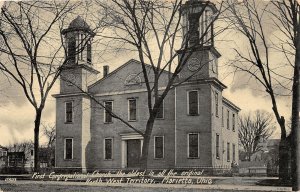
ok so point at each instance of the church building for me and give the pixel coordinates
(196, 126)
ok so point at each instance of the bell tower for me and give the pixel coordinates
(78, 71)
(199, 56)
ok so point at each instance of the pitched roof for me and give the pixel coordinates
(119, 68)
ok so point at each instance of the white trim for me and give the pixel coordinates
(163, 140)
(124, 138)
(188, 146)
(125, 92)
(66, 111)
(104, 110)
(188, 105)
(112, 148)
(128, 109)
(65, 139)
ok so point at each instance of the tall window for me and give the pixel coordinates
(108, 148)
(158, 147)
(227, 119)
(89, 51)
(68, 148)
(217, 146)
(233, 122)
(222, 117)
(233, 152)
(193, 103)
(132, 109)
(228, 151)
(160, 113)
(108, 107)
(217, 103)
(193, 145)
(69, 112)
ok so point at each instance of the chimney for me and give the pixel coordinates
(105, 70)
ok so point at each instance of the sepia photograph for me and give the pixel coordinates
(149, 95)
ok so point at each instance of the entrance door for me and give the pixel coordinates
(133, 153)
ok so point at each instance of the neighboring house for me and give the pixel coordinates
(267, 151)
(3, 157)
(46, 158)
(196, 126)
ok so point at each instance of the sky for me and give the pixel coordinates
(17, 115)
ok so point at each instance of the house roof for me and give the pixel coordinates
(121, 67)
(230, 104)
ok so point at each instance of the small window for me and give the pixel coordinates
(69, 112)
(132, 110)
(158, 147)
(31, 152)
(222, 117)
(217, 146)
(233, 122)
(193, 145)
(160, 113)
(69, 148)
(193, 103)
(233, 152)
(227, 119)
(228, 151)
(108, 147)
(217, 104)
(108, 108)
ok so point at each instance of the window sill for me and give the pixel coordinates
(160, 118)
(192, 115)
(193, 157)
(69, 159)
(107, 159)
(132, 120)
(68, 122)
(108, 122)
(158, 158)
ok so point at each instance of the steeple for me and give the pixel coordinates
(197, 17)
(78, 38)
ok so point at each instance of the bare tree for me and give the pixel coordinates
(254, 129)
(248, 19)
(152, 30)
(31, 51)
(49, 133)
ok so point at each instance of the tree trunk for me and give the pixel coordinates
(147, 137)
(283, 161)
(295, 156)
(37, 123)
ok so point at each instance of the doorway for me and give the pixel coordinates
(133, 153)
